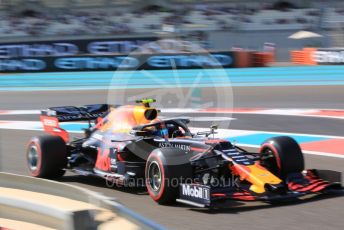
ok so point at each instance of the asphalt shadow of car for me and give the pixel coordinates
(228, 206)
(235, 207)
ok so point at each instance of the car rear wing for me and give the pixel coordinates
(73, 113)
(51, 117)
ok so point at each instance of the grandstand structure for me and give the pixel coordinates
(79, 17)
(223, 22)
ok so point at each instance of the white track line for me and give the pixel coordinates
(279, 112)
(19, 112)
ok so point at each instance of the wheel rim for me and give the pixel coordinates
(33, 158)
(268, 160)
(154, 175)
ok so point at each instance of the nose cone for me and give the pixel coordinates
(257, 175)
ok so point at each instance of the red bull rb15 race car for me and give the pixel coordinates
(131, 145)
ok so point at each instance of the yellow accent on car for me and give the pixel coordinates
(260, 176)
(257, 175)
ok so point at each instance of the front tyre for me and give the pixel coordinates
(46, 157)
(282, 156)
(165, 169)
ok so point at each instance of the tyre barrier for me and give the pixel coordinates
(303, 57)
(33, 203)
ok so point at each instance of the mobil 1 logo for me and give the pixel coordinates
(196, 193)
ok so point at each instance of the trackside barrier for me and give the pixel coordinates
(297, 56)
(261, 59)
(244, 59)
(156, 61)
(303, 57)
(46, 215)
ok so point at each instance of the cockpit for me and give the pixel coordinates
(171, 128)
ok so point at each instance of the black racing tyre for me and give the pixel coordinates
(282, 155)
(46, 157)
(165, 169)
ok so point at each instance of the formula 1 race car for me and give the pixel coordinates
(130, 144)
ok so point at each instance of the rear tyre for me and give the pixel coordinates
(46, 157)
(282, 155)
(165, 169)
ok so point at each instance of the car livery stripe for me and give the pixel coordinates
(198, 149)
